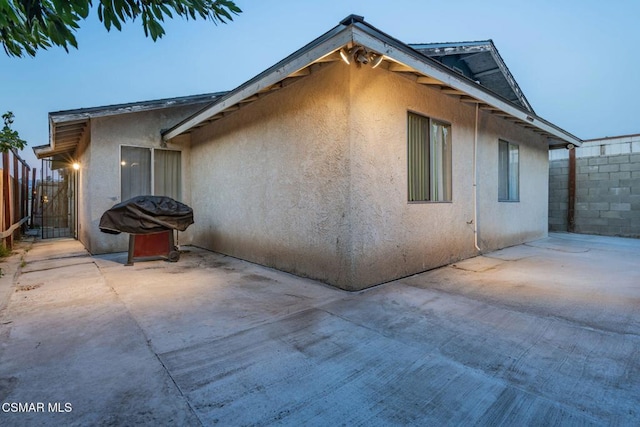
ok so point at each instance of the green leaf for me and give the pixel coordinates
(166, 10)
(27, 26)
(156, 30)
(9, 138)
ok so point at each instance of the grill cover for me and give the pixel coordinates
(145, 215)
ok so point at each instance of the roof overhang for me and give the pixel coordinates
(64, 137)
(68, 128)
(299, 64)
(480, 61)
(398, 57)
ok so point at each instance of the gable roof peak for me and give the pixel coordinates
(481, 62)
(352, 19)
(397, 57)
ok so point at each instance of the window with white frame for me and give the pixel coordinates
(429, 159)
(149, 171)
(508, 172)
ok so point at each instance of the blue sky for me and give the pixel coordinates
(576, 60)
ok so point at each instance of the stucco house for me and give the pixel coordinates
(356, 160)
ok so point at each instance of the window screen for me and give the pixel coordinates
(508, 172)
(429, 159)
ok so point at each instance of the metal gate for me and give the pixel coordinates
(55, 207)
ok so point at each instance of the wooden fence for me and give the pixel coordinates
(14, 193)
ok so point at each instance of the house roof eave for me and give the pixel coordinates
(354, 31)
(67, 127)
(469, 50)
(325, 45)
(131, 107)
(414, 60)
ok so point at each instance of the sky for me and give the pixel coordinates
(576, 61)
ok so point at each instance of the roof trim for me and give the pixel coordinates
(131, 107)
(444, 45)
(67, 127)
(320, 47)
(453, 48)
(362, 33)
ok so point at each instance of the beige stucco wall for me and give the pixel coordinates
(504, 224)
(271, 182)
(312, 179)
(83, 191)
(392, 237)
(99, 186)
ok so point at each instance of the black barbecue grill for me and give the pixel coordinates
(150, 221)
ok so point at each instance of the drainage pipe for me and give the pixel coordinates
(571, 205)
(475, 182)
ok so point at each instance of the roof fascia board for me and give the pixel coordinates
(326, 44)
(44, 151)
(510, 79)
(82, 114)
(446, 45)
(52, 140)
(453, 49)
(404, 54)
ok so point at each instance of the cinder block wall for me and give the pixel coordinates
(558, 194)
(607, 188)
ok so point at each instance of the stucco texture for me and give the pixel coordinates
(312, 179)
(271, 181)
(504, 224)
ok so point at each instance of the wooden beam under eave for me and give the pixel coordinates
(488, 107)
(209, 121)
(400, 68)
(230, 109)
(250, 99)
(67, 140)
(335, 56)
(69, 131)
(541, 132)
(470, 100)
(289, 80)
(450, 91)
(77, 125)
(63, 137)
(300, 73)
(270, 88)
(66, 145)
(426, 80)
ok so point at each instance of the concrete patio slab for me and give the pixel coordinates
(545, 333)
(70, 348)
